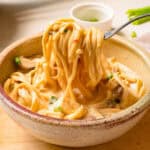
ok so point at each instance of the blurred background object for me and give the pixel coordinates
(22, 2)
(21, 18)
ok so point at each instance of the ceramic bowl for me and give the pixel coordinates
(84, 14)
(77, 133)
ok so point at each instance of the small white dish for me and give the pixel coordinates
(93, 14)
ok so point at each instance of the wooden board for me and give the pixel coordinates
(13, 137)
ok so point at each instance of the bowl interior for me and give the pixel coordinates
(125, 52)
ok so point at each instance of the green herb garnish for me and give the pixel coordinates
(65, 31)
(53, 99)
(93, 19)
(110, 76)
(58, 109)
(17, 60)
(131, 13)
(133, 34)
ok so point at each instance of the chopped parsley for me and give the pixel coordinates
(110, 76)
(133, 34)
(65, 31)
(53, 99)
(58, 109)
(93, 19)
(17, 60)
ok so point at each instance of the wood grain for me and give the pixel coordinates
(14, 137)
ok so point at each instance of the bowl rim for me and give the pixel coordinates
(98, 4)
(116, 119)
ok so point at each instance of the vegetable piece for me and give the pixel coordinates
(131, 13)
(138, 11)
(110, 76)
(65, 31)
(133, 34)
(17, 60)
(140, 21)
(93, 19)
(58, 109)
(53, 99)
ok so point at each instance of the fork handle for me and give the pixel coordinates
(109, 34)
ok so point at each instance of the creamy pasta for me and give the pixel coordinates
(73, 79)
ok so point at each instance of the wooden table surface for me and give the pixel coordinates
(14, 137)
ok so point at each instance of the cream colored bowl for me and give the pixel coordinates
(77, 133)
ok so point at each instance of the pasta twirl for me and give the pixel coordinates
(73, 79)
